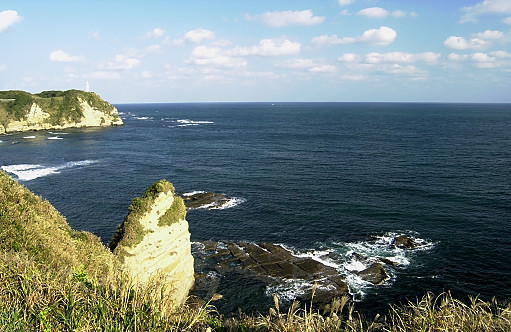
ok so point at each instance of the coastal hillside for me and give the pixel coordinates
(22, 111)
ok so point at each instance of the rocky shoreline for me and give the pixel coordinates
(274, 264)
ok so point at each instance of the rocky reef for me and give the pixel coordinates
(21, 111)
(153, 242)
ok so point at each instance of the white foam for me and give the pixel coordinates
(144, 117)
(57, 133)
(193, 193)
(192, 122)
(232, 202)
(55, 137)
(29, 137)
(289, 289)
(27, 172)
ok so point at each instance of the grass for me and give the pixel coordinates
(53, 278)
(63, 106)
(131, 232)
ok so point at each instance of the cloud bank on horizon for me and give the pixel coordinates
(334, 50)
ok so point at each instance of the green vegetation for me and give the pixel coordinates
(131, 232)
(63, 106)
(175, 213)
(53, 278)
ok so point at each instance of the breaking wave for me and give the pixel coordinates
(27, 172)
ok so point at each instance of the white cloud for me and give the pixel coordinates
(402, 57)
(382, 36)
(121, 63)
(196, 36)
(377, 12)
(8, 18)
(2, 67)
(460, 43)
(345, 2)
(155, 33)
(61, 56)
(349, 57)
(213, 56)
(307, 64)
(297, 63)
(325, 69)
(332, 40)
(457, 57)
(490, 34)
(507, 20)
(278, 19)
(501, 54)
(498, 7)
(269, 47)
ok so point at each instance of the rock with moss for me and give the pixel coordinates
(22, 111)
(154, 241)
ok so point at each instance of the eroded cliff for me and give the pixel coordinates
(154, 241)
(21, 111)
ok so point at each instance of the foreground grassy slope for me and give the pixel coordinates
(63, 106)
(53, 278)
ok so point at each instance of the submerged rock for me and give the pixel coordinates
(204, 200)
(374, 274)
(404, 242)
(274, 264)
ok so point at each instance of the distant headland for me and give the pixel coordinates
(22, 111)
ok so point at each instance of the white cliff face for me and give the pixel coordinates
(164, 252)
(37, 119)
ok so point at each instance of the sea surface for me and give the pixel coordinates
(323, 179)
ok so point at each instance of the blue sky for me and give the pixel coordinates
(286, 50)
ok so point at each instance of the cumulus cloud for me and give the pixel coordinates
(269, 47)
(497, 7)
(483, 60)
(345, 2)
(196, 36)
(308, 65)
(61, 56)
(121, 63)
(490, 34)
(155, 33)
(332, 40)
(278, 19)
(377, 12)
(460, 43)
(382, 36)
(348, 57)
(213, 56)
(8, 18)
(402, 57)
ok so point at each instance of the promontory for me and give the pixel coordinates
(22, 111)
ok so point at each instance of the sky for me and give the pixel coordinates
(260, 51)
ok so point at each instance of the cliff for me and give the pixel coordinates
(154, 241)
(21, 111)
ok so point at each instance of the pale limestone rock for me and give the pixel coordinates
(36, 119)
(165, 252)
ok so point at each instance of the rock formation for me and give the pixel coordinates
(154, 241)
(54, 110)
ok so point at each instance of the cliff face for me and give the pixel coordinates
(154, 241)
(54, 110)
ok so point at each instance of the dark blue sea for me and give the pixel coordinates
(318, 178)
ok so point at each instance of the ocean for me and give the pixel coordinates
(325, 180)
